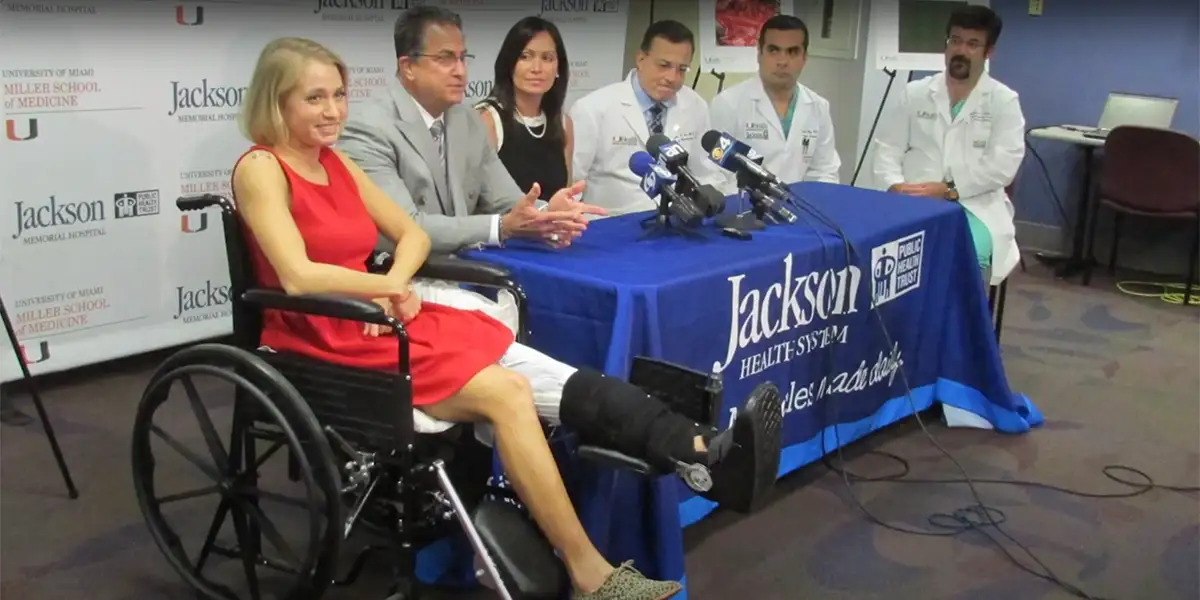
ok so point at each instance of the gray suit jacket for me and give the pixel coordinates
(389, 140)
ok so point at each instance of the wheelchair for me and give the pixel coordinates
(352, 447)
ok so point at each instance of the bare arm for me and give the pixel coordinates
(490, 127)
(264, 201)
(412, 243)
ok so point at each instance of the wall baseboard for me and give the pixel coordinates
(1037, 237)
(1156, 247)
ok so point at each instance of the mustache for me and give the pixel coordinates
(960, 60)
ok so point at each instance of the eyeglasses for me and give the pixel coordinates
(970, 44)
(666, 65)
(449, 59)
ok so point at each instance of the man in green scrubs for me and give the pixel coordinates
(917, 150)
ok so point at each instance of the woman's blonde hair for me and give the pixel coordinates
(277, 73)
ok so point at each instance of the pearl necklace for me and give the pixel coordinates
(531, 122)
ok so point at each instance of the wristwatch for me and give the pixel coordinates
(951, 192)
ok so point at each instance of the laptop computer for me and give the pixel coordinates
(1134, 109)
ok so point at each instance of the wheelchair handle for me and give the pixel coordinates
(203, 201)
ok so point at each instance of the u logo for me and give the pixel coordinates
(43, 353)
(14, 134)
(193, 223)
(195, 18)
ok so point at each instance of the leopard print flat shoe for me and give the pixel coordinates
(626, 583)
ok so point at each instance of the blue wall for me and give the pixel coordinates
(1065, 62)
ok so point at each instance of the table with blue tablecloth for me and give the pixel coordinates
(793, 305)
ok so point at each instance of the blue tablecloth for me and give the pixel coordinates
(787, 307)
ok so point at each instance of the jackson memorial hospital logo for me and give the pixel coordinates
(578, 6)
(349, 10)
(205, 101)
(202, 302)
(60, 219)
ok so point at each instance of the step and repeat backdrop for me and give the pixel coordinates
(114, 108)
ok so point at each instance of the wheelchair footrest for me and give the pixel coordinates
(694, 394)
(531, 569)
(697, 477)
(615, 460)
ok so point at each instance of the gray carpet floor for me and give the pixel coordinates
(1116, 377)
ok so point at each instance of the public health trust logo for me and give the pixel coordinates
(136, 204)
(896, 267)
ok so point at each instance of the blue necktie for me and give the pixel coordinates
(656, 118)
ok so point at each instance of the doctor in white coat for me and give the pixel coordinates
(615, 121)
(960, 136)
(784, 121)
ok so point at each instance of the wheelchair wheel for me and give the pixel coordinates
(265, 407)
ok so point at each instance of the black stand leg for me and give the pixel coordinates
(11, 415)
(1072, 265)
(37, 403)
(1089, 248)
(1191, 274)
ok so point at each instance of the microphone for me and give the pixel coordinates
(657, 182)
(734, 156)
(673, 157)
(740, 158)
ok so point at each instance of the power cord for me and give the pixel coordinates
(1163, 291)
(979, 516)
(1062, 211)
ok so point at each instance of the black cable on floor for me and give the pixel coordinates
(1062, 211)
(978, 517)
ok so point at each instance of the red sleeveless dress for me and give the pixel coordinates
(447, 346)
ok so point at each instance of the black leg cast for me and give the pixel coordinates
(742, 462)
(615, 414)
(744, 459)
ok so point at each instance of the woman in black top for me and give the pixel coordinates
(524, 113)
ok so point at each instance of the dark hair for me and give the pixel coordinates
(978, 18)
(672, 31)
(503, 96)
(409, 33)
(783, 23)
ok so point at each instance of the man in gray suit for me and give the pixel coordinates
(431, 154)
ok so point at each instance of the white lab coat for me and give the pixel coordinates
(807, 153)
(610, 127)
(980, 151)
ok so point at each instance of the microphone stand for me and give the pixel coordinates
(758, 202)
(878, 113)
(660, 223)
(750, 220)
(37, 403)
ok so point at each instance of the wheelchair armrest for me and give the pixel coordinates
(334, 306)
(203, 201)
(615, 460)
(449, 268)
(461, 270)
